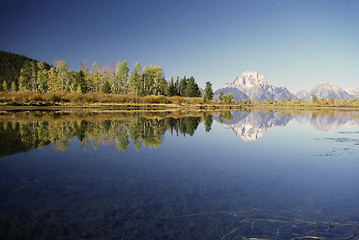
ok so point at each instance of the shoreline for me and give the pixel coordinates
(163, 107)
(120, 106)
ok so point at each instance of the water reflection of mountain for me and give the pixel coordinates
(253, 125)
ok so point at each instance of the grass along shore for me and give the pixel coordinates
(29, 100)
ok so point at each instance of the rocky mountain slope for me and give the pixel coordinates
(252, 86)
(353, 92)
(328, 90)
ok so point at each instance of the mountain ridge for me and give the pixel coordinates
(250, 85)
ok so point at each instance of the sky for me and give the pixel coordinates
(293, 43)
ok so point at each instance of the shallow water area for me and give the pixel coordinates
(229, 175)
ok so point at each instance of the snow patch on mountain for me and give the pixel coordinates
(327, 90)
(353, 92)
(251, 85)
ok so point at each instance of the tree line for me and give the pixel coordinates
(142, 81)
(10, 65)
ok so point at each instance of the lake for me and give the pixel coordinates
(272, 174)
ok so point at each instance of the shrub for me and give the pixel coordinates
(122, 98)
(52, 97)
(155, 99)
(36, 97)
(195, 100)
(176, 99)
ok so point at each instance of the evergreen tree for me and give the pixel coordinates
(106, 88)
(208, 92)
(190, 88)
(86, 86)
(197, 91)
(177, 87)
(171, 88)
(81, 82)
(182, 87)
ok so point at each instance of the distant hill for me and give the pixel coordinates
(252, 86)
(10, 65)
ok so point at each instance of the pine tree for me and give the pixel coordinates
(208, 92)
(182, 87)
(81, 82)
(192, 88)
(86, 85)
(177, 86)
(171, 88)
(106, 88)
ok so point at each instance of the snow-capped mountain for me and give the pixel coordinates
(303, 95)
(353, 92)
(328, 90)
(252, 86)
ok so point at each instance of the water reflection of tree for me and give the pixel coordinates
(208, 120)
(23, 136)
(225, 116)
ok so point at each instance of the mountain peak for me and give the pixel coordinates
(247, 79)
(251, 85)
(329, 90)
(327, 84)
(251, 74)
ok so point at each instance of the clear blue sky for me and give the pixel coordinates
(296, 44)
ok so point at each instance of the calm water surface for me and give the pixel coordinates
(272, 175)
